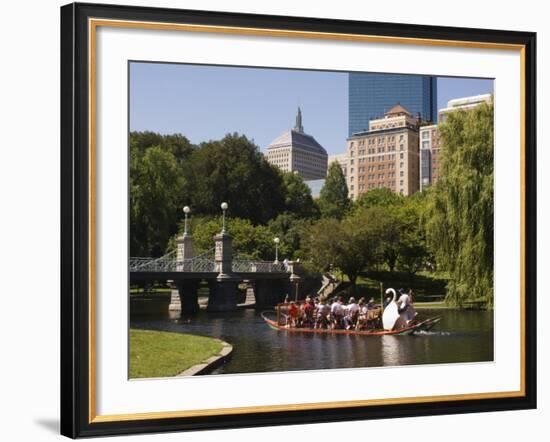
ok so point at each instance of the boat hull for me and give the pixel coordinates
(409, 330)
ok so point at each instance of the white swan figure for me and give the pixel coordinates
(391, 312)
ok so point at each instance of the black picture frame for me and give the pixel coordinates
(75, 220)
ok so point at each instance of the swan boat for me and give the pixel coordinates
(392, 322)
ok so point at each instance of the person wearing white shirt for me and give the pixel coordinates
(352, 310)
(337, 312)
(405, 308)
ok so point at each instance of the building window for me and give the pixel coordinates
(425, 135)
(401, 155)
(425, 144)
(401, 173)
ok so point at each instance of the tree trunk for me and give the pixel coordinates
(353, 283)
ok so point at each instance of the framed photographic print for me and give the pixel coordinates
(273, 220)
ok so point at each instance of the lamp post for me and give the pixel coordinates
(186, 211)
(276, 240)
(224, 207)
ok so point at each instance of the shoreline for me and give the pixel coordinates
(165, 354)
(211, 363)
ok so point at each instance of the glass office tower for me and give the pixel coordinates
(371, 95)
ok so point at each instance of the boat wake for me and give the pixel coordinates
(432, 333)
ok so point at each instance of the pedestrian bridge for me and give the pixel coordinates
(268, 281)
(204, 263)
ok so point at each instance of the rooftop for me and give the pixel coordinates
(397, 110)
(296, 137)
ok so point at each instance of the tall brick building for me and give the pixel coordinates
(386, 155)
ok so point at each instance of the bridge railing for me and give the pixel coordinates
(170, 263)
(244, 266)
(203, 263)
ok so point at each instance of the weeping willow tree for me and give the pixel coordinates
(460, 215)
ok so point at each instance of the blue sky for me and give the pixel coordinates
(206, 102)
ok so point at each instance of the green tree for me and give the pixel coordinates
(412, 252)
(155, 184)
(298, 199)
(386, 224)
(249, 241)
(341, 244)
(290, 229)
(461, 213)
(380, 197)
(176, 144)
(233, 170)
(334, 201)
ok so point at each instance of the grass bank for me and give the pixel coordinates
(154, 291)
(162, 354)
(428, 287)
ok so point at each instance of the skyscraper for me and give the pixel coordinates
(298, 152)
(372, 95)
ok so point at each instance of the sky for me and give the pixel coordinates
(207, 102)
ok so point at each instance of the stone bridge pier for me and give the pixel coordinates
(184, 296)
(184, 292)
(270, 292)
(224, 289)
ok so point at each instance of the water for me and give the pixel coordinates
(460, 336)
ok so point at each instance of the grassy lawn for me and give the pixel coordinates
(428, 287)
(162, 354)
(154, 291)
(431, 305)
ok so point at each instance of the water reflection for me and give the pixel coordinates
(461, 336)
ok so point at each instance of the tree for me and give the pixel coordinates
(291, 230)
(155, 185)
(383, 209)
(333, 199)
(249, 241)
(233, 170)
(384, 223)
(298, 199)
(380, 197)
(412, 252)
(176, 144)
(460, 221)
(341, 244)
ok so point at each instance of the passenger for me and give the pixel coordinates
(374, 314)
(371, 304)
(337, 313)
(352, 310)
(323, 312)
(403, 301)
(293, 314)
(308, 310)
(405, 308)
(361, 315)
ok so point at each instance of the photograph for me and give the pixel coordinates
(255, 203)
(296, 219)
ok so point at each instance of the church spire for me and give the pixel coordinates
(299, 127)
